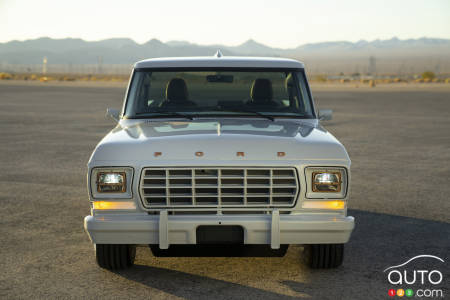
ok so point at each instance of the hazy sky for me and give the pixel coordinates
(280, 23)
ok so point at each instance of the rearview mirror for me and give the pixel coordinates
(325, 114)
(113, 114)
(220, 78)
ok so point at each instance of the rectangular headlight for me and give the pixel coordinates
(326, 182)
(111, 182)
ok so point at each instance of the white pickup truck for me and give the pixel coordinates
(219, 150)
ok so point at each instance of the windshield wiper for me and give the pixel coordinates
(247, 111)
(219, 109)
(165, 113)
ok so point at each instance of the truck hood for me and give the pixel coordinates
(219, 140)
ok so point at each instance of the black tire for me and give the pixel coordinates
(115, 257)
(324, 256)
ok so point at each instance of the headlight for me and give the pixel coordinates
(326, 183)
(111, 182)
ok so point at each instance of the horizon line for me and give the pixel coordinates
(215, 45)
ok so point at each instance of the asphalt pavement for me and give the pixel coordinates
(399, 143)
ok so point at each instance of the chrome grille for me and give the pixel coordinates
(218, 187)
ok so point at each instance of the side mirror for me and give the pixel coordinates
(325, 114)
(113, 114)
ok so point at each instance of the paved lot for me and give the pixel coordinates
(399, 142)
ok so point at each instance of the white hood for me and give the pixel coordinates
(219, 140)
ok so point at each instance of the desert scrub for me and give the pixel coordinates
(5, 76)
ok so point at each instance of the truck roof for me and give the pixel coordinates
(220, 62)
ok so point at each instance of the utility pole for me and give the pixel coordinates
(437, 68)
(372, 66)
(99, 65)
(44, 65)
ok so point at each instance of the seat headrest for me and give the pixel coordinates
(176, 90)
(261, 90)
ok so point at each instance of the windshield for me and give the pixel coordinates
(213, 93)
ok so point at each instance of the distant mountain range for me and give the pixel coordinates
(326, 56)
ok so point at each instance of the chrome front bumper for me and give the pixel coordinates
(273, 229)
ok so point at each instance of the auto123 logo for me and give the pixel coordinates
(410, 280)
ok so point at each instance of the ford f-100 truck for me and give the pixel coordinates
(219, 150)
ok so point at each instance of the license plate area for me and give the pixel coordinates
(219, 234)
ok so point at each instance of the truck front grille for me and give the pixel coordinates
(218, 187)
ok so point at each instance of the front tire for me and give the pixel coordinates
(115, 257)
(324, 256)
